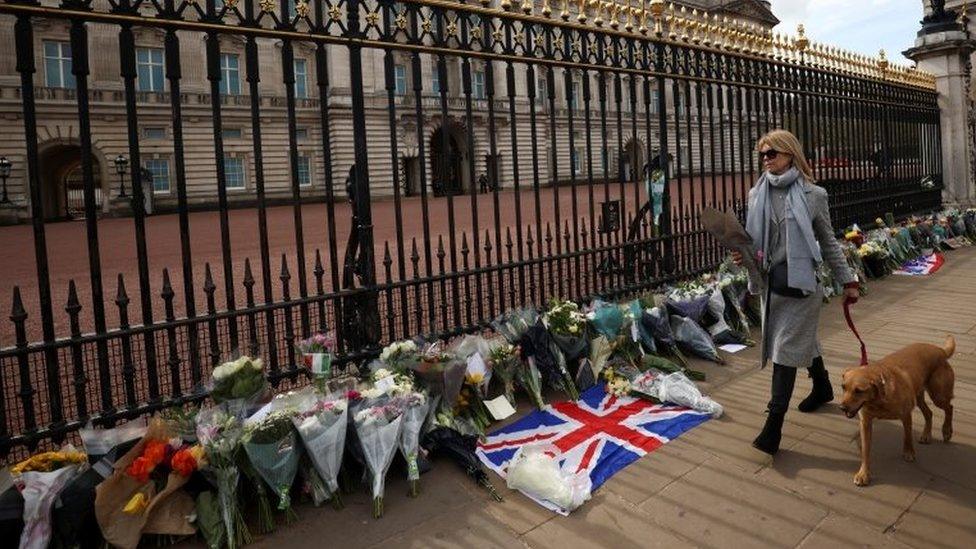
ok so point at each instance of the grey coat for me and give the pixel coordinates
(790, 327)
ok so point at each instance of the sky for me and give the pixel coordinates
(862, 26)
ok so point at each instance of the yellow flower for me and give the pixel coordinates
(137, 504)
(475, 379)
(198, 454)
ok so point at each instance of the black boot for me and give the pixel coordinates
(769, 439)
(822, 392)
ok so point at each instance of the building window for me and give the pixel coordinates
(304, 171)
(154, 132)
(574, 95)
(654, 99)
(149, 69)
(479, 84)
(57, 65)
(301, 79)
(230, 74)
(435, 85)
(576, 154)
(234, 172)
(301, 134)
(400, 79)
(232, 133)
(540, 91)
(159, 168)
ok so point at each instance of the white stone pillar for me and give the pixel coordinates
(945, 54)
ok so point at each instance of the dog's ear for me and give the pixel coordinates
(879, 384)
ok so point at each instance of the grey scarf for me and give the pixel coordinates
(802, 249)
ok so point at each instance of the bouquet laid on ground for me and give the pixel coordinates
(567, 325)
(537, 345)
(239, 384)
(143, 495)
(459, 448)
(694, 339)
(675, 388)
(317, 354)
(607, 319)
(874, 256)
(272, 448)
(39, 479)
(321, 423)
(442, 374)
(415, 406)
(505, 364)
(513, 324)
(690, 299)
(220, 432)
(399, 355)
(378, 423)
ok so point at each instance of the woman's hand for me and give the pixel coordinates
(736, 258)
(851, 294)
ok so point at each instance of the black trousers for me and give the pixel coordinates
(784, 378)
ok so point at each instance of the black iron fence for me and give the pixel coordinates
(504, 155)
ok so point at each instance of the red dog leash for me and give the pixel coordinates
(850, 324)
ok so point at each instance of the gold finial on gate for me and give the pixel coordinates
(527, 7)
(694, 24)
(268, 5)
(882, 61)
(642, 21)
(801, 38)
(630, 12)
(671, 20)
(581, 8)
(657, 8)
(546, 9)
(564, 12)
(613, 8)
(505, 5)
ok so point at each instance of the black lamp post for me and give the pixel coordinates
(121, 163)
(5, 167)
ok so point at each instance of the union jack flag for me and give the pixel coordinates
(600, 434)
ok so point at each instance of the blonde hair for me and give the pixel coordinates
(785, 142)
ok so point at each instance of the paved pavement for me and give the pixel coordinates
(709, 488)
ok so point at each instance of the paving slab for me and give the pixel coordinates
(646, 477)
(821, 469)
(718, 505)
(839, 531)
(468, 527)
(943, 516)
(605, 521)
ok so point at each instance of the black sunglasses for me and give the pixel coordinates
(771, 154)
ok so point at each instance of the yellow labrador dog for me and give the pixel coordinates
(891, 388)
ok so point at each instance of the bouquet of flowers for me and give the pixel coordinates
(378, 423)
(505, 363)
(530, 379)
(607, 319)
(39, 479)
(220, 435)
(239, 384)
(690, 299)
(874, 256)
(470, 404)
(143, 495)
(694, 338)
(442, 373)
(538, 345)
(321, 423)
(415, 406)
(459, 448)
(273, 450)
(399, 355)
(658, 323)
(567, 325)
(513, 324)
(317, 353)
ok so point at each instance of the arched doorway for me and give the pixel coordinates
(633, 160)
(63, 182)
(449, 165)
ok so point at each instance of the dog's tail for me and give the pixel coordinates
(949, 346)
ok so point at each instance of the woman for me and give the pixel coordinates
(789, 221)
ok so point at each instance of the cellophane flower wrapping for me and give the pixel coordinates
(675, 388)
(505, 363)
(442, 373)
(535, 471)
(513, 324)
(415, 406)
(272, 448)
(378, 423)
(220, 433)
(694, 338)
(321, 423)
(531, 380)
(537, 344)
(607, 319)
(40, 489)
